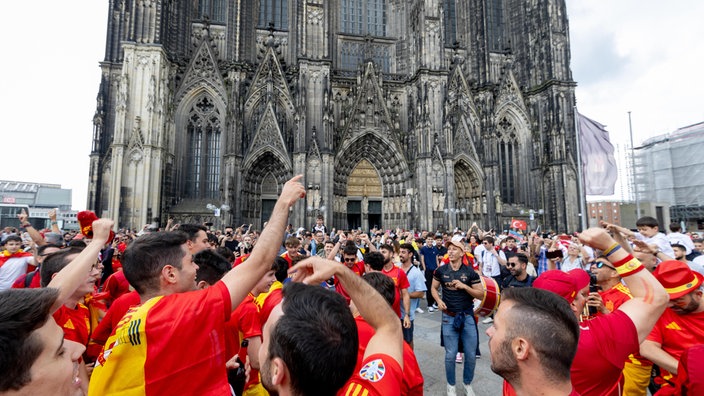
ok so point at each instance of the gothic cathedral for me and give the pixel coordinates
(399, 113)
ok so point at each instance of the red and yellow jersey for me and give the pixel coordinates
(616, 296)
(401, 282)
(245, 322)
(676, 333)
(412, 383)
(267, 301)
(74, 322)
(380, 375)
(170, 345)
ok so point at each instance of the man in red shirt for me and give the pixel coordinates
(682, 324)
(400, 279)
(310, 341)
(520, 351)
(174, 342)
(606, 341)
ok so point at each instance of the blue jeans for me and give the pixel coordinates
(451, 338)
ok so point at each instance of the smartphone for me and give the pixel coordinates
(593, 288)
(556, 254)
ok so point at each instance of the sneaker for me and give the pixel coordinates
(419, 310)
(458, 358)
(451, 390)
(488, 320)
(479, 356)
(435, 305)
(468, 391)
(432, 309)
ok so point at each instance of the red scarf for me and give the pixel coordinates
(5, 255)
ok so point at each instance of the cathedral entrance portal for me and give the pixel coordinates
(364, 195)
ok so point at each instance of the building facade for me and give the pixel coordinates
(37, 199)
(669, 169)
(399, 113)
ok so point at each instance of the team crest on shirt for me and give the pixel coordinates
(373, 371)
(463, 278)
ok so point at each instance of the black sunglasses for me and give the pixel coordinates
(601, 264)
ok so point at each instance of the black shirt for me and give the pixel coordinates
(511, 281)
(456, 300)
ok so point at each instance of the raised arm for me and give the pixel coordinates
(33, 233)
(388, 338)
(242, 278)
(70, 277)
(649, 297)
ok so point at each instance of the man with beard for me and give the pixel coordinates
(682, 324)
(521, 353)
(173, 344)
(517, 264)
(310, 341)
(606, 341)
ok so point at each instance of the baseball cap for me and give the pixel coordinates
(456, 240)
(565, 284)
(677, 278)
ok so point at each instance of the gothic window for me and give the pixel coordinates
(213, 9)
(363, 17)
(202, 171)
(353, 53)
(273, 11)
(508, 161)
(495, 25)
(450, 21)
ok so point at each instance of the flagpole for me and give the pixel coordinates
(633, 168)
(580, 174)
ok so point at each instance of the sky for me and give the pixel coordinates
(643, 56)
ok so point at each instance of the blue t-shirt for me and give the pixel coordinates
(430, 255)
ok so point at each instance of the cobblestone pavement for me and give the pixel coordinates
(430, 355)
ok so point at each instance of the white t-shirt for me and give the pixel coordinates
(13, 269)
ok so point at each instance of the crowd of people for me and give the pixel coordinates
(189, 309)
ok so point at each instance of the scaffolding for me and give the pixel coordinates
(670, 168)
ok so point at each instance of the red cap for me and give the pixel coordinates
(677, 278)
(565, 284)
(85, 220)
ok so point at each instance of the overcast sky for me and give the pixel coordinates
(640, 56)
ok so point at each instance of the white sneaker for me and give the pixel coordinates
(432, 309)
(468, 391)
(419, 310)
(451, 390)
(488, 320)
(458, 358)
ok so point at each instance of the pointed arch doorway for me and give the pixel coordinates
(364, 196)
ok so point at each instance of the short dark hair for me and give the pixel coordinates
(281, 269)
(647, 221)
(675, 227)
(387, 246)
(55, 262)
(407, 246)
(145, 257)
(80, 243)
(488, 239)
(510, 238)
(383, 284)
(211, 266)
(537, 312)
(350, 248)
(41, 249)
(226, 252)
(22, 311)
(522, 258)
(374, 260)
(317, 326)
(292, 242)
(191, 230)
(13, 238)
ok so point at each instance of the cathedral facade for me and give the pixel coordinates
(399, 113)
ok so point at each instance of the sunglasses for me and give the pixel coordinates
(511, 264)
(601, 264)
(350, 260)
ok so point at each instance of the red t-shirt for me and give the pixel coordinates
(267, 301)
(75, 322)
(412, 383)
(676, 333)
(604, 344)
(116, 285)
(112, 318)
(401, 281)
(380, 375)
(170, 345)
(357, 268)
(690, 373)
(34, 283)
(508, 390)
(245, 324)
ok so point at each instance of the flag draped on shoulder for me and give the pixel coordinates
(598, 162)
